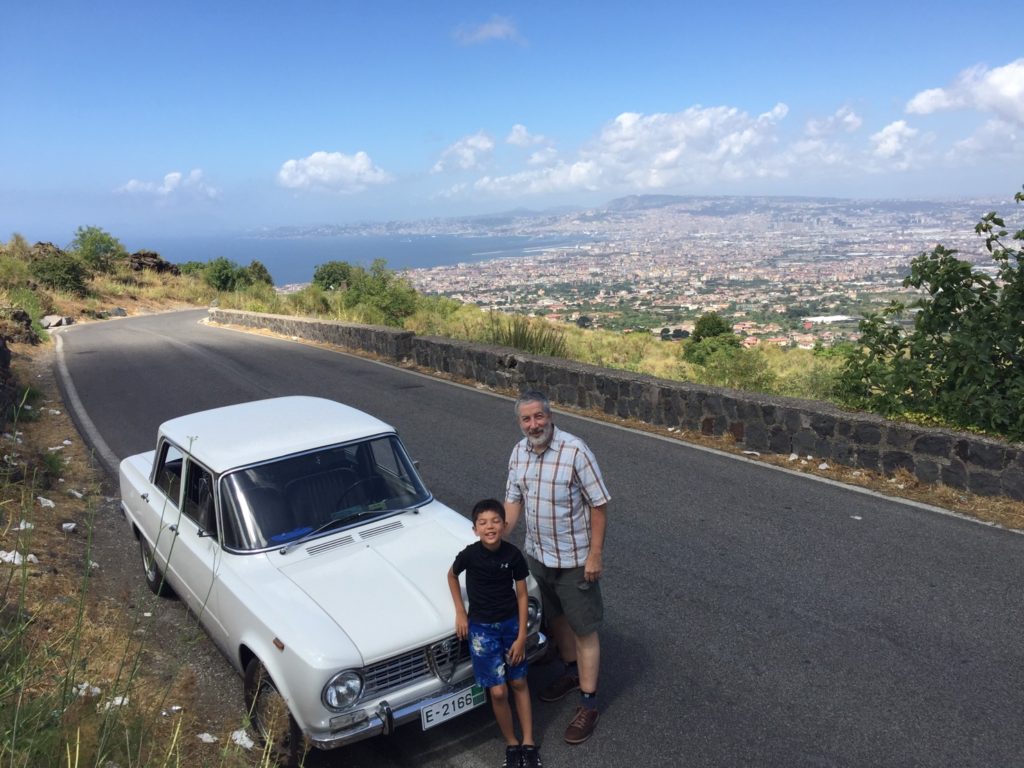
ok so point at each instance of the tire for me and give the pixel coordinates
(154, 578)
(273, 725)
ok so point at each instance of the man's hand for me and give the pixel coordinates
(593, 568)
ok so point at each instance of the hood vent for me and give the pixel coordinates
(330, 544)
(396, 525)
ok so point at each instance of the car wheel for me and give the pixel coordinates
(275, 728)
(154, 578)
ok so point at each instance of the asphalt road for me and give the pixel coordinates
(753, 617)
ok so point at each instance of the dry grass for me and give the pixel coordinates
(68, 621)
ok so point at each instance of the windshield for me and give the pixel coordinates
(275, 503)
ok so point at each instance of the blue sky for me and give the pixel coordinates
(204, 117)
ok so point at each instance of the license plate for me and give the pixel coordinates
(453, 706)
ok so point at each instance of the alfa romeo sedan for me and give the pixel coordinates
(299, 532)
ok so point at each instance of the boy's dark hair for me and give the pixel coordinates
(488, 505)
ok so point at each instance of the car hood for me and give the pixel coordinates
(386, 591)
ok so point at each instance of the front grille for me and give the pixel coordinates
(408, 668)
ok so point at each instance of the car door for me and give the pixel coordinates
(196, 554)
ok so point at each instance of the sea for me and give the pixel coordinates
(291, 261)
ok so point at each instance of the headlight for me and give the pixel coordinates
(342, 690)
(533, 614)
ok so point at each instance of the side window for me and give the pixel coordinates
(199, 497)
(168, 472)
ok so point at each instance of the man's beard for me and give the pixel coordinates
(543, 438)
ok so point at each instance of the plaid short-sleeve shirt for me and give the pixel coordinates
(557, 488)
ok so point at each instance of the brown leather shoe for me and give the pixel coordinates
(559, 688)
(582, 725)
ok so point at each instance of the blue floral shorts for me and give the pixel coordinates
(488, 645)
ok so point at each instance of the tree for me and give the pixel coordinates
(963, 359)
(332, 276)
(259, 273)
(225, 275)
(708, 325)
(98, 250)
(583, 321)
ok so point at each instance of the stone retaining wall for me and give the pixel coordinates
(757, 422)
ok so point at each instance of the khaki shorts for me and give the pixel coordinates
(567, 593)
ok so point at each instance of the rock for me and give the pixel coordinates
(55, 321)
(141, 260)
(16, 326)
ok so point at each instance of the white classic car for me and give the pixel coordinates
(299, 532)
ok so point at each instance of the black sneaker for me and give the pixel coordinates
(513, 757)
(531, 757)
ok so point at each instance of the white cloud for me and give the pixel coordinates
(174, 184)
(519, 136)
(696, 145)
(468, 153)
(564, 177)
(332, 170)
(544, 156)
(498, 28)
(843, 120)
(999, 91)
(995, 137)
(894, 144)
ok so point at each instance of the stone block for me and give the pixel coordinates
(823, 424)
(987, 456)
(867, 434)
(954, 474)
(933, 445)
(893, 460)
(984, 483)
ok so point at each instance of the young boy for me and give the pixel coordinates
(496, 625)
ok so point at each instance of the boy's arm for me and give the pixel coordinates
(461, 620)
(518, 650)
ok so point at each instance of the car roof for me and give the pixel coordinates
(249, 433)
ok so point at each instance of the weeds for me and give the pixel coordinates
(79, 685)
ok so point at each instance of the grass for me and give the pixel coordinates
(84, 678)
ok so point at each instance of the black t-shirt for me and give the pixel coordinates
(490, 580)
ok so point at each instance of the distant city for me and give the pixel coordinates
(785, 271)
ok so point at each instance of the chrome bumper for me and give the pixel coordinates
(385, 719)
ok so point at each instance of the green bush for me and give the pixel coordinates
(962, 362)
(708, 325)
(225, 275)
(332, 276)
(259, 274)
(61, 271)
(537, 337)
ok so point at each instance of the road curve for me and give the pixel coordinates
(753, 617)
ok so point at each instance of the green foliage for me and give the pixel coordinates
(225, 275)
(700, 349)
(537, 337)
(708, 325)
(61, 271)
(259, 274)
(332, 276)
(963, 360)
(728, 365)
(310, 301)
(97, 249)
(380, 292)
(193, 268)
